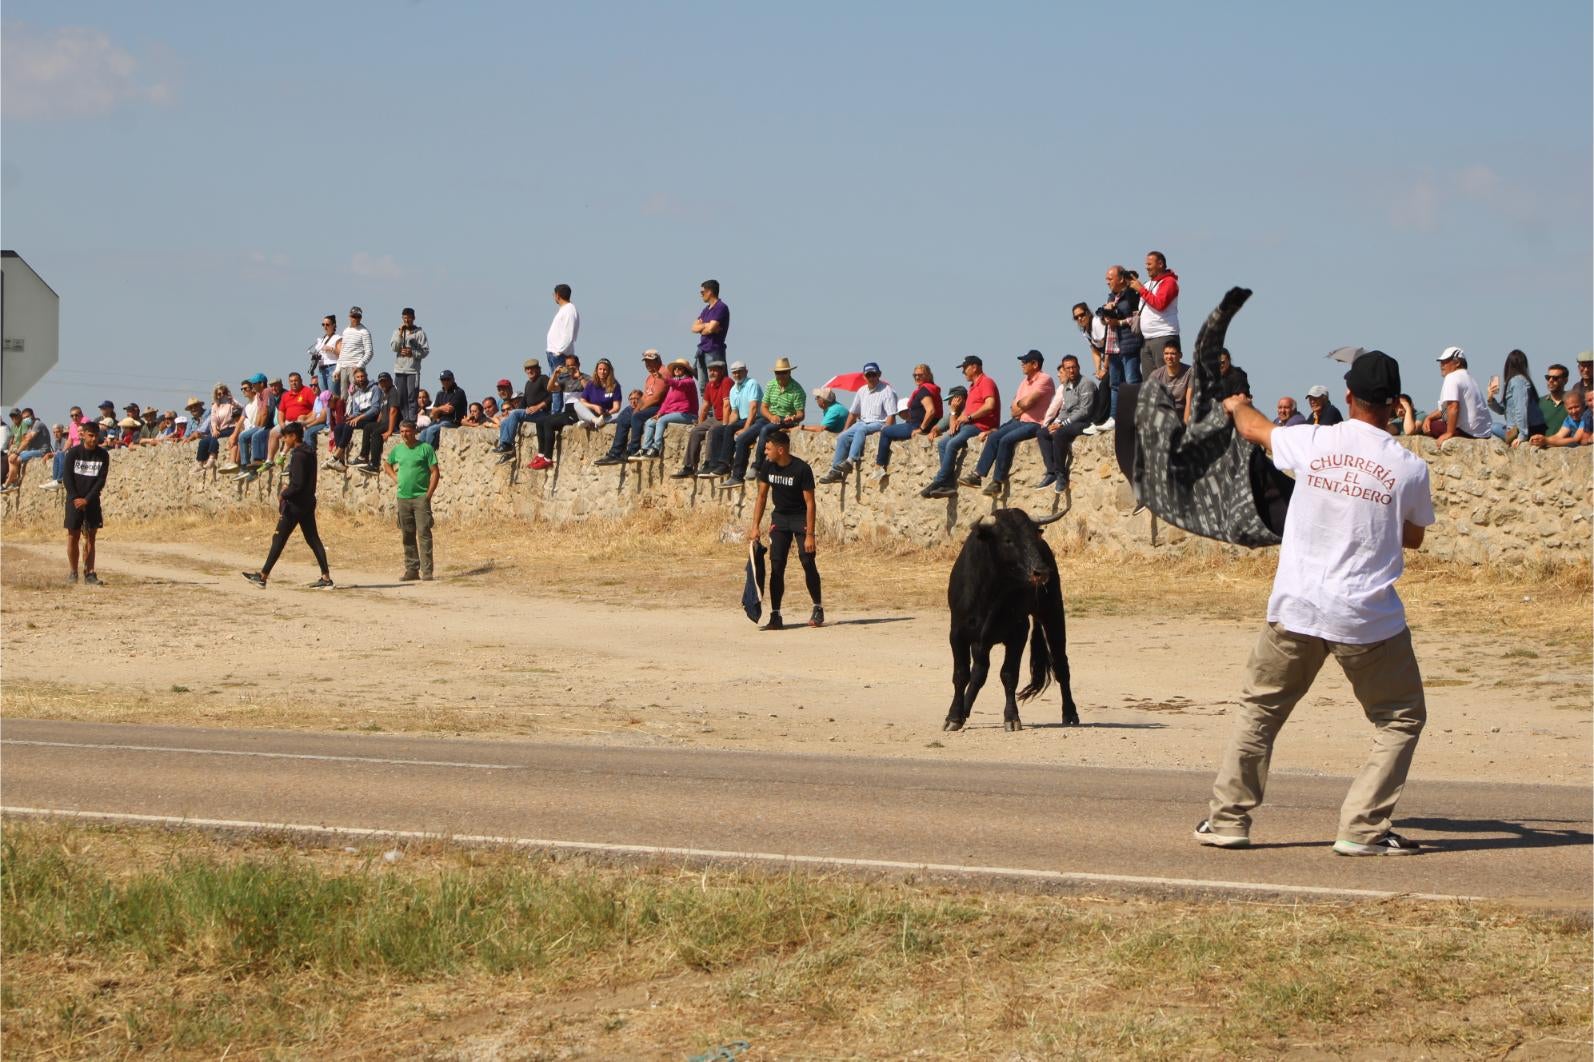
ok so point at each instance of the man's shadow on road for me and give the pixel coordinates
(1517, 834)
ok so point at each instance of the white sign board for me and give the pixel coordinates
(30, 327)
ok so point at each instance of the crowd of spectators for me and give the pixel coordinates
(727, 415)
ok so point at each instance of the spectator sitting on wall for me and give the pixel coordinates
(679, 406)
(742, 412)
(492, 416)
(628, 427)
(711, 417)
(1028, 409)
(599, 402)
(423, 405)
(474, 417)
(919, 416)
(783, 408)
(956, 400)
(1552, 407)
(1174, 376)
(1066, 419)
(1585, 375)
(874, 408)
(1288, 415)
(1324, 413)
(832, 414)
(1404, 419)
(981, 413)
(1523, 419)
(1576, 430)
(536, 405)
(449, 407)
(1232, 380)
(1461, 410)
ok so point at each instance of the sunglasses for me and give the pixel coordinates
(1554, 377)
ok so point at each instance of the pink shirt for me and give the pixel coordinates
(1039, 384)
(681, 396)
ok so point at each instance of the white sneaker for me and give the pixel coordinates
(1092, 430)
(54, 484)
(1107, 425)
(1205, 834)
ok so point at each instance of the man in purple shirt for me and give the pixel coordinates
(711, 327)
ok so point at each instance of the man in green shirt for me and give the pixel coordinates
(783, 407)
(413, 465)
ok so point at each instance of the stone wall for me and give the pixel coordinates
(1494, 504)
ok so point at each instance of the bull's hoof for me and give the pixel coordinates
(953, 724)
(1011, 725)
(1070, 720)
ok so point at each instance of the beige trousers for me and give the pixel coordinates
(1386, 681)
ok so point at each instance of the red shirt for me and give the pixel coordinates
(982, 388)
(296, 404)
(715, 394)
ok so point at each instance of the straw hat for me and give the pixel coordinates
(681, 363)
(784, 365)
(128, 422)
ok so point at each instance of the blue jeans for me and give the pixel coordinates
(311, 431)
(1057, 448)
(509, 428)
(1121, 369)
(653, 430)
(432, 432)
(252, 444)
(58, 463)
(628, 428)
(952, 445)
(744, 442)
(849, 444)
(894, 433)
(210, 443)
(1000, 444)
(324, 376)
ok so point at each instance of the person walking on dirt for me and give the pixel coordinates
(791, 482)
(297, 508)
(1360, 498)
(83, 475)
(413, 466)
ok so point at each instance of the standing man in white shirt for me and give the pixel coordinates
(410, 347)
(355, 351)
(1461, 409)
(1360, 498)
(1159, 310)
(561, 337)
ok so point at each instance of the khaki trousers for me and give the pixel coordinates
(1386, 681)
(415, 522)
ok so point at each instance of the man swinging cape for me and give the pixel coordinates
(1201, 476)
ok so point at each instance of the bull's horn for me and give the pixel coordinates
(986, 521)
(1052, 519)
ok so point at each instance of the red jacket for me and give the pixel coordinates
(1167, 291)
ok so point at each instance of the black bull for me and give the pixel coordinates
(1004, 586)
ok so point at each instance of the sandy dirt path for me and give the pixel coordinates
(180, 637)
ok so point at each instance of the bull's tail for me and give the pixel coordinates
(1040, 661)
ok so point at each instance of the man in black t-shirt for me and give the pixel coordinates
(296, 506)
(83, 475)
(791, 482)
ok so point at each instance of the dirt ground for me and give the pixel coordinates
(633, 634)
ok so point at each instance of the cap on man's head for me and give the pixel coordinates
(355, 311)
(258, 378)
(1450, 354)
(1586, 356)
(651, 355)
(824, 394)
(107, 404)
(505, 384)
(181, 419)
(1374, 377)
(446, 374)
(871, 367)
(974, 360)
(383, 377)
(1032, 355)
(15, 412)
(107, 422)
(958, 392)
(720, 365)
(531, 363)
(1317, 391)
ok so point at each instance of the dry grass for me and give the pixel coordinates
(133, 941)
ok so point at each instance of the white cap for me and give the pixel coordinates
(182, 419)
(738, 366)
(1450, 353)
(1317, 391)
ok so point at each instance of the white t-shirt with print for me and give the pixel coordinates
(1472, 414)
(1355, 490)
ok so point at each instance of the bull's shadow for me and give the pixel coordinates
(1069, 726)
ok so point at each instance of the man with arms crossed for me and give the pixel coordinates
(1360, 498)
(413, 466)
(83, 475)
(791, 481)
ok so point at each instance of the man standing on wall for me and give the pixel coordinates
(410, 348)
(1159, 310)
(562, 333)
(83, 475)
(413, 466)
(355, 351)
(712, 326)
(1360, 498)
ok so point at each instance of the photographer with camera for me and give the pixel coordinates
(410, 347)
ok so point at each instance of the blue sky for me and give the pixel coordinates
(900, 182)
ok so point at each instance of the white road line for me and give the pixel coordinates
(1054, 876)
(263, 755)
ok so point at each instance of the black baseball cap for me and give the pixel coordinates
(1032, 355)
(446, 374)
(958, 392)
(107, 404)
(972, 359)
(1374, 377)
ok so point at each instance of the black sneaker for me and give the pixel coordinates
(1390, 844)
(1205, 834)
(323, 583)
(685, 473)
(91, 579)
(939, 490)
(72, 579)
(969, 479)
(732, 482)
(816, 618)
(609, 459)
(835, 475)
(506, 456)
(774, 623)
(256, 578)
(1047, 480)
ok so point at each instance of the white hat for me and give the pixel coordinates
(1317, 391)
(1450, 354)
(181, 419)
(738, 366)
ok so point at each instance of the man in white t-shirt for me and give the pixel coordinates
(1360, 498)
(1461, 409)
(562, 333)
(873, 409)
(355, 351)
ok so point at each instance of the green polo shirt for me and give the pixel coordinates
(414, 465)
(785, 401)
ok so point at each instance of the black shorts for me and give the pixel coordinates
(795, 523)
(89, 516)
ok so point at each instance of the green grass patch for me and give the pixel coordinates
(133, 941)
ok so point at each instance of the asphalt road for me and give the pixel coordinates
(1098, 829)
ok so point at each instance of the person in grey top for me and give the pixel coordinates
(409, 348)
(1066, 418)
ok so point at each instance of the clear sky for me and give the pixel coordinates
(898, 181)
